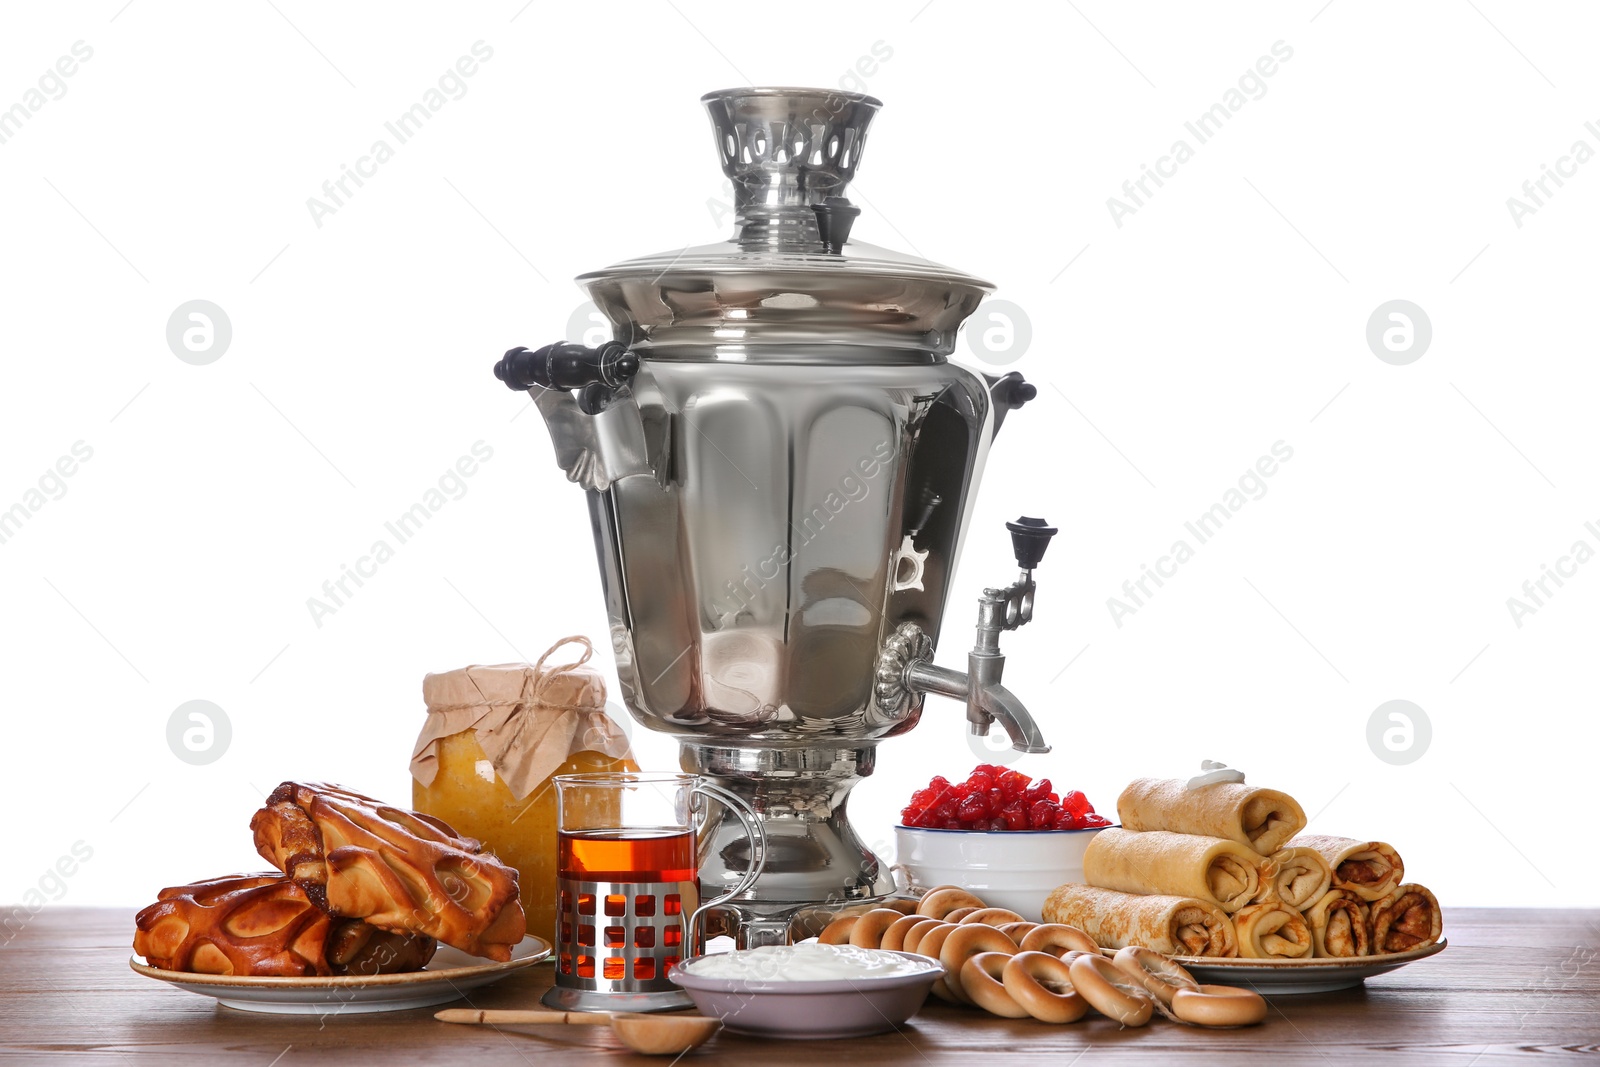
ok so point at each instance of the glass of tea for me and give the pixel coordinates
(627, 886)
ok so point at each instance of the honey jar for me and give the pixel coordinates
(493, 739)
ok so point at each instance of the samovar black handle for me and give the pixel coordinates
(1007, 393)
(596, 372)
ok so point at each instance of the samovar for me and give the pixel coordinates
(780, 465)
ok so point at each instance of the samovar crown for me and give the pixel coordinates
(790, 154)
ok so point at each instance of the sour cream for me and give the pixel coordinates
(810, 962)
(1214, 772)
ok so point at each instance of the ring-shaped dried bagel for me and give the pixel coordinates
(955, 915)
(991, 916)
(980, 982)
(869, 929)
(1219, 1006)
(911, 941)
(838, 931)
(1110, 991)
(1057, 939)
(894, 938)
(941, 901)
(1160, 976)
(1042, 986)
(1016, 931)
(931, 943)
(964, 941)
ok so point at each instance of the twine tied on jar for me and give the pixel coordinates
(528, 719)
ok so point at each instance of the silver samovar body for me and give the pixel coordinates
(780, 466)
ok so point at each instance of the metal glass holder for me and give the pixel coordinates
(616, 942)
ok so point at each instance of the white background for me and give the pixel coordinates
(1226, 314)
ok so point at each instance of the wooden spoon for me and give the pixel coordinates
(652, 1035)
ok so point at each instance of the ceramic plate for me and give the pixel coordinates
(1301, 976)
(448, 975)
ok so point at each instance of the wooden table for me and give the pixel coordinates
(1514, 985)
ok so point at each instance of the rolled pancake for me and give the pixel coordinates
(1176, 926)
(1339, 926)
(1214, 869)
(1297, 876)
(1408, 918)
(1370, 869)
(1259, 819)
(1271, 931)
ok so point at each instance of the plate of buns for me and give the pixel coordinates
(370, 908)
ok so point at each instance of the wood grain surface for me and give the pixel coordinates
(1517, 986)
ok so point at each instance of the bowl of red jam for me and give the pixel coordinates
(1008, 838)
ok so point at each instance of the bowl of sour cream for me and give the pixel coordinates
(810, 991)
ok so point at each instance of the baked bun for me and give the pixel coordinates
(400, 871)
(265, 925)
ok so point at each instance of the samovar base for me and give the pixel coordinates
(755, 923)
(815, 861)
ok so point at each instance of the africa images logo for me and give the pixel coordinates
(1252, 85)
(403, 128)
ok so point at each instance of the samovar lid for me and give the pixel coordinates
(789, 278)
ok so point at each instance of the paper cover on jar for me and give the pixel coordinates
(528, 719)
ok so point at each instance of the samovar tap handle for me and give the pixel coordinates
(906, 669)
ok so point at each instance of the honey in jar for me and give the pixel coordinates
(493, 739)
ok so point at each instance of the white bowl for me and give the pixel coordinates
(814, 1010)
(1013, 869)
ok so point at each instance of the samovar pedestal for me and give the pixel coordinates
(815, 861)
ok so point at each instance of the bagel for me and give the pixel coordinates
(1041, 985)
(932, 944)
(968, 939)
(991, 916)
(911, 940)
(942, 900)
(1160, 976)
(868, 930)
(838, 931)
(1219, 1006)
(1057, 939)
(955, 915)
(1110, 991)
(1016, 931)
(980, 982)
(894, 938)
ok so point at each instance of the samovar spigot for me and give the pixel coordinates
(906, 668)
